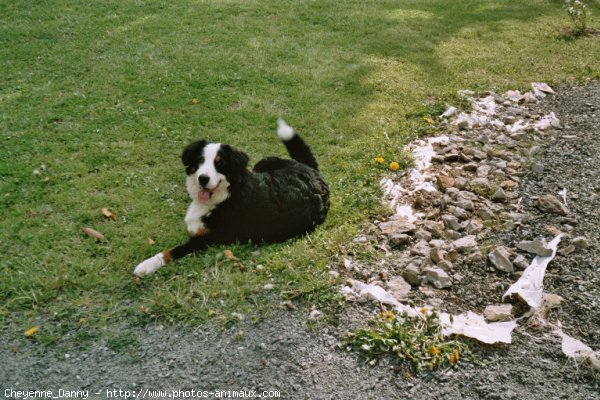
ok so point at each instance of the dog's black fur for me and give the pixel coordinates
(278, 200)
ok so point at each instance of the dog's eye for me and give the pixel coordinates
(201, 159)
(218, 160)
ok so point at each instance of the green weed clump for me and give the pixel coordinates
(415, 340)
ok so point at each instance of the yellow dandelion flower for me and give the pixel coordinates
(195, 101)
(434, 351)
(211, 313)
(379, 160)
(140, 101)
(387, 315)
(165, 130)
(394, 166)
(454, 357)
(31, 331)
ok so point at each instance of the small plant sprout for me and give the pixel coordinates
(579, 12)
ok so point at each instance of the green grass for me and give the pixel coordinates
(98, 96)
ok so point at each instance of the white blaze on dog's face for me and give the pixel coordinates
(212, 170)
(204, 182)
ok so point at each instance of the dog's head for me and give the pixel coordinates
(212, 168)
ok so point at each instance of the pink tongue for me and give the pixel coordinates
(204, 195)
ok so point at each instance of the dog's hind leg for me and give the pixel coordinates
(152, 264)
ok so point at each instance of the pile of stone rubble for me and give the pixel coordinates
(463, 188)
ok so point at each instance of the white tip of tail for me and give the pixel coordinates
(284, 131)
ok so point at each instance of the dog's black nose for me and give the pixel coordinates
(203, 180)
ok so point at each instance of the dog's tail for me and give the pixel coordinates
(294, 144)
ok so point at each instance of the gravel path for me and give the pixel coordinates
(282, 354)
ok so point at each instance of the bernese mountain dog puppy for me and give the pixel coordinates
(278, 200)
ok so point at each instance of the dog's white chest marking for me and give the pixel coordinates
(193, 217)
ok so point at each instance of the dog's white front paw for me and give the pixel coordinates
(150, 265)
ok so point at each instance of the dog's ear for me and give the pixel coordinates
(237, 160)
(189, 157)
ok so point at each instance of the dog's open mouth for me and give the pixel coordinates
(205, 194)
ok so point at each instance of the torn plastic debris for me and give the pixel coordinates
(563, 195)
(474, 326)
(547, 121)
(422, 151)
(472, 120)
(517, 127)
(450, 112)
(540, 89)
(514, 95)
(487, 105)
(577, 350)
(470, 324)
(530, 286)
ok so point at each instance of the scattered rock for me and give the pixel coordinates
(422, 234)
(398, 287)
(518, 218)
(509, 184)
(396, 225)
(463, 203)
(399, 239)
(421, 248)
(412, 274)
(435, 228)
(500, 259)
(474, 258)
(451, 222)
(466, 243)
(498, 312)
(580, 242)
(474, 226)
(499, 196)
(315, 315)
(437, 254)
(537, 168)
(521, 262)
(460, 182)
(540, 89)
(565, 251)
(445, 265)
(452, 235)
(483, 170)
(549, 203)
(445, 182)
(437, 243)
(459, 213)
(437, 277)
(480, 184)
(485, 214)
(537, 247)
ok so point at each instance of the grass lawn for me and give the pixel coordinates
(97, 100)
